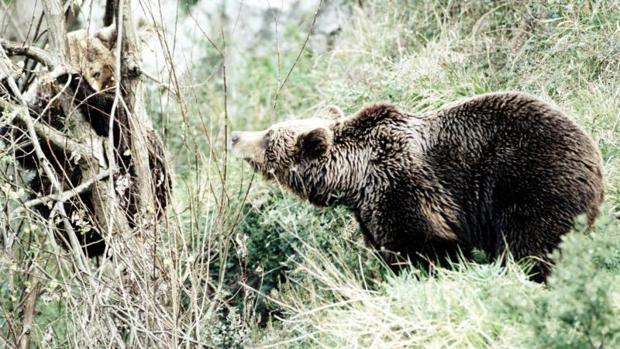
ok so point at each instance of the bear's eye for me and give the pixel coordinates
(97, 75)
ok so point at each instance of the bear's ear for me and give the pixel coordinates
(334, 113)
(107, 36)
(315, 143)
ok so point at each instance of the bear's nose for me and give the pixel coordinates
(234, 138)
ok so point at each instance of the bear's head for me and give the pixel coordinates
(92, 55)
(298, 154)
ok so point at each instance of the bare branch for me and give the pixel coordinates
(56, 137)
(32, 293)
(31, 94)
(303, 47)
(161, 84)
(66, 195)
(16, 26)
(33, 52)
(45, 164)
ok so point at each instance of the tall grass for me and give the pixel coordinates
(469, 305)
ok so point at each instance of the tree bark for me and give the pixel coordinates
(31, 294)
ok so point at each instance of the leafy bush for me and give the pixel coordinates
(276, 231)
(582, 307)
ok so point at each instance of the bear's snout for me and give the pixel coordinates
(246, 145)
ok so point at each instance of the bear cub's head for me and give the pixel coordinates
(93, 56)
(288, 150)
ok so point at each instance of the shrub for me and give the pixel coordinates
(582, 307)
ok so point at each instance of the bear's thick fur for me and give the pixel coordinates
(498, 172)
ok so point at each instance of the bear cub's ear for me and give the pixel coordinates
(315, 143)
(107, 35)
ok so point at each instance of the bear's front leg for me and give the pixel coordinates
(405, 233)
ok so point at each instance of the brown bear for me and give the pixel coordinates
(497, 172)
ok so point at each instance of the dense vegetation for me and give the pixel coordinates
(255, 266)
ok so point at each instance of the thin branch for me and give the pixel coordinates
(161, 84)
(117, 97)
(220, 173)
(8, 12)
(32, 93)
(56, 137)
(303, 47)
(30, 65)
(66, 195)
(29, 311)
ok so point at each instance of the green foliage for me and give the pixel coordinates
(582, 307)
(186, 5)
(467, 306)
(228, 330)
(276, 231)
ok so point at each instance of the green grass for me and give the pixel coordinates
(467, 306)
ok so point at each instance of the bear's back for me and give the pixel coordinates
(509, 156)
